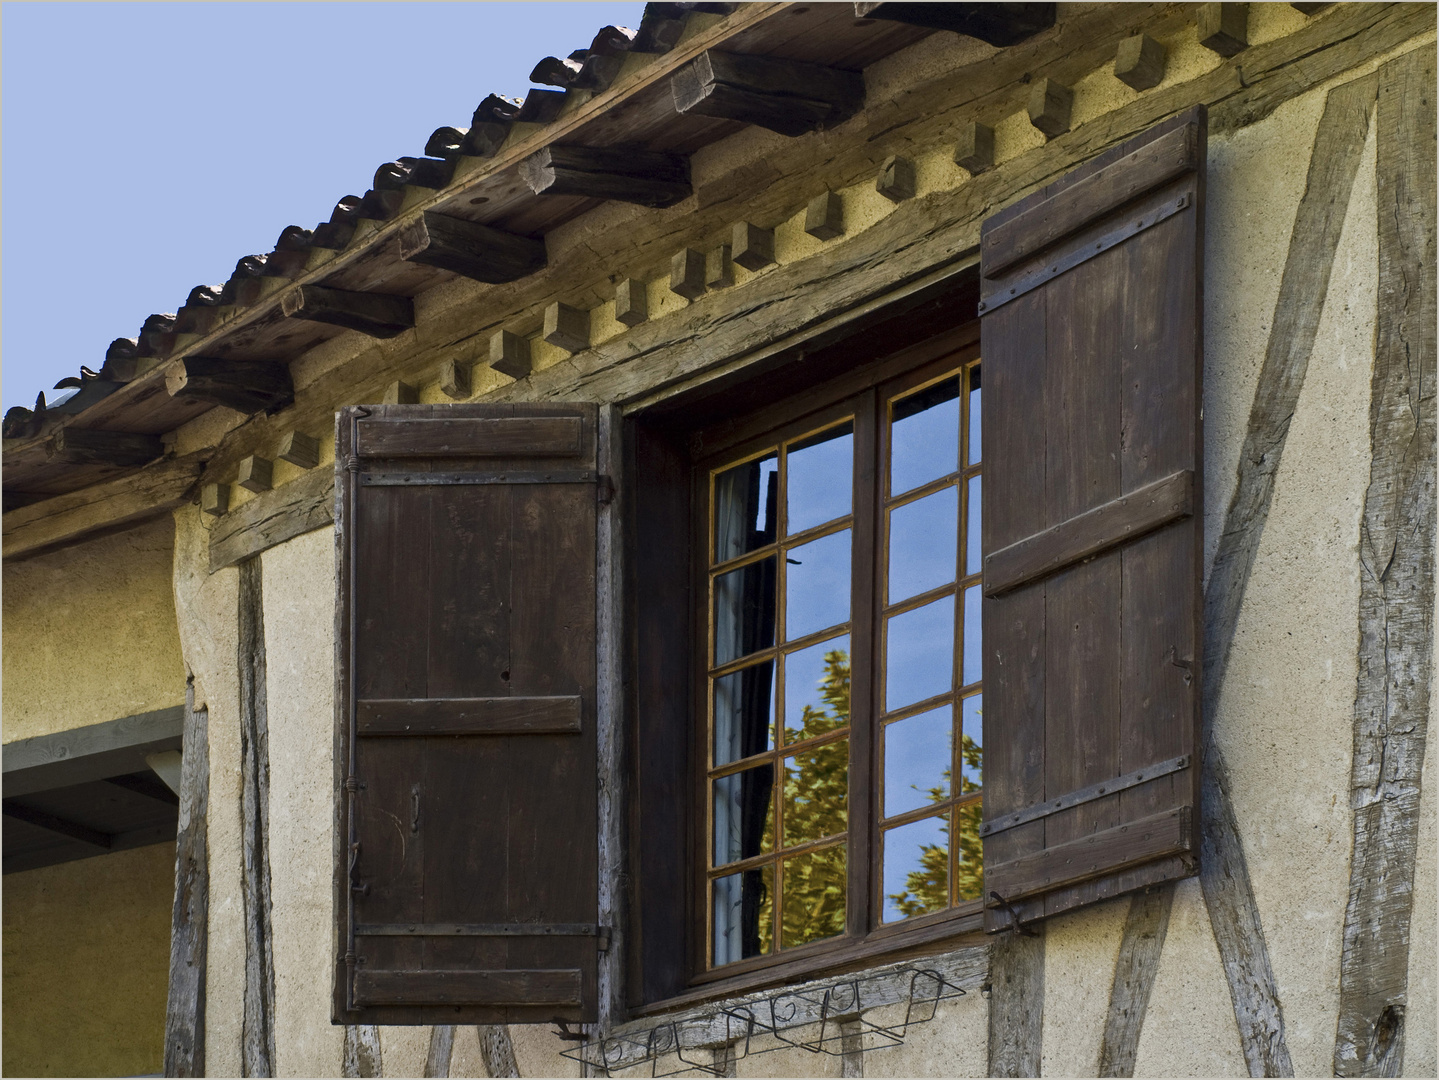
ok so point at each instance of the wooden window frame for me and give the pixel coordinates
(866, 940)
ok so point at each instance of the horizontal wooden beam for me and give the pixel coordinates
(91, 446)
(272, 517)
(995, 24)
(786, 96)
(95, 752)
(469, 716)
(151, 787)
(469, 248)
(57, 825)
(376, 986)
(247, 386)
(623, 174)
(470, 437)
(376, 314)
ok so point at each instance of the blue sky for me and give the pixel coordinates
(148, 146)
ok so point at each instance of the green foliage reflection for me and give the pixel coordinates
(927, 887)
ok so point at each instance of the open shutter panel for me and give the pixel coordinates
(467, 884)
(1091, 308)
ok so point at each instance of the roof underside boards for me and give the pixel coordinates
(360, 251)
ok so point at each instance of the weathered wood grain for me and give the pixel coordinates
(189, 918)
(497, 1051)
(1134, 971)
(469, 248)
(88, 446)
(468, 716)
(257, 1037)
(1224, 873)
(376, 314)
(442, 1048)
(627, 174)
(566, 326)
(272, 517)
(786, 96)
(995, 24)
(362, 1051)
(1223, 28)
(1139, 62)
(1396, 586)
(471, 436)
(247, 386)
(1016, 1004)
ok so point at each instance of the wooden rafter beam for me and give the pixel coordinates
(786, 96)
(466, 247)
(57, 825)
(621, 173)
(247, 386)
(376, 314)
(996, 24)
(91, 446)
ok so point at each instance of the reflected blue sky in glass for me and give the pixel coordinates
(922, 539)
(817, 585)
(973, 640)
(903, 854)
(820, 486)
(916, 759)
(804, 678)
(972, 529)
(973, 730)
(924, 436)
(919, 656)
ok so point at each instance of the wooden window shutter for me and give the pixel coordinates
(467, 862)
(1091, 321)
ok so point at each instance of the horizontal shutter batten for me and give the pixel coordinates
(518, 436)
(1090, 533)
(1087, 200)
(469, 716)
(1168, 833)
(1084, 795)
(498, 988)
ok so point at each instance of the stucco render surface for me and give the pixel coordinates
(537, 1052)
(1079, 954)
(1284, 718)
(90, 633)
(207, 612)
(299, 591)
(403, 1049)
(86, 965)
(1189, 1027)
(954, 1043)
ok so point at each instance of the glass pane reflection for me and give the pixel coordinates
(924, 436)
(922, 539)
(972, 529)
(820, 482)
(745, 501)
(814, 888)
(973, 636)
(974, 432)
(743, 814)
(917, 760)
(744, 713)
(816, 689)
(919, 655)
(744, 610)
(743, 915)
(971, 747)
(916, 868)
(816, 793)
(817, 585)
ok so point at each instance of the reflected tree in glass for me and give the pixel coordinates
(927, 888)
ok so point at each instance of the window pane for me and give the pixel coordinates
(817, 585)
(971, 748)
(917, 753)
(973, 636)
(744, 610)
(922, 538)
(814, 896)
(745, 501)
(816, 689)
(819, 486)
(924, 436)
(919, 655)
(744, 713)
(969, 859)
(974, 432)
(816, 793)
(972, 530)
(744, 814)
(916, 868)
(743, 915)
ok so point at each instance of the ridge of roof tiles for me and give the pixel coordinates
(586, 70)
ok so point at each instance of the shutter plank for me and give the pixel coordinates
(510, 436)
(469, 716)
(503, 988)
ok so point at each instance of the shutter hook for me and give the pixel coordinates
(1186, 665)
(1015, 925)
(415, 808)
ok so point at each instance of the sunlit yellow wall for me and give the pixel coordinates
(86, 963)
(90, 633)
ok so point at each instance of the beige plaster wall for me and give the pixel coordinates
(86, 965)
(90, 633)
(1079, 954)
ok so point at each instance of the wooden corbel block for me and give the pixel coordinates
(1050, 103)
(751, 246)
(376, 314)
(510, 354)
(455, 380)
(256, 473)
(621, 173)
(400, 393)
(300, 449)
(93, 446)
(975, 149)
(896, 179)
(568, 327)
(1223, 28)
(632, 305)
(687, 273)
(787, 96)
(1139, 63)
(215, 499)
(247, 386)
(719, 268)
(469, 248)
(824, 217)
